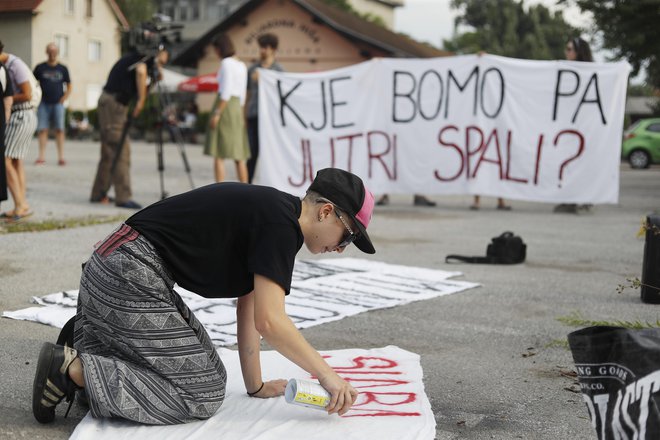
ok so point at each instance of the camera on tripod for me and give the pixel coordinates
(150, 37)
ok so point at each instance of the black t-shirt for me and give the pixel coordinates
(52, 79)
(215, 238)
(121, 80)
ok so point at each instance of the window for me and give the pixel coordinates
(88, 10)
(194, 9)
(68, 6)
(166, 7)
(92, 95)
(654, 128)
(183, 13)
(62, 42)
(94, 50)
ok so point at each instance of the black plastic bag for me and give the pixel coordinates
(619, 374)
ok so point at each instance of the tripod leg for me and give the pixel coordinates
(182, 150)
(161, 161)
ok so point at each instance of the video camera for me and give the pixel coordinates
(150, 37)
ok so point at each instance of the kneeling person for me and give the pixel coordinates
(141, 354)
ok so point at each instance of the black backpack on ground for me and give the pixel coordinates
(508, 248)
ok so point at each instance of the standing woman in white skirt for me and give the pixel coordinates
(18, 134)
(227, 136)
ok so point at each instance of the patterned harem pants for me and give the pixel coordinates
(145, 356)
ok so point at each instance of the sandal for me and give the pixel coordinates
(18, 218)
(51, 381)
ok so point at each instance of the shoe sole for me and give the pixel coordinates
(42, 413)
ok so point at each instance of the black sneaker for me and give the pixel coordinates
(130, 204)
(422, 201)
(566, 208)
(51, 382)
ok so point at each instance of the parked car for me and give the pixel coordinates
(641, 143)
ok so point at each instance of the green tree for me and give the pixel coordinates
(630, 29)
(136, 11)
(505, 27)
(346, 6)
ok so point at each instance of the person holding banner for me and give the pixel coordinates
(267, 47)
(418, 200)
(576, 49)
(226, 137)
(501, 205)
(138, 351)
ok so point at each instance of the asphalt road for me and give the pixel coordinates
(494, 364)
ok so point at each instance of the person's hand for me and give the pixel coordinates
(272, 388)
(214, 120)
(136, 110)
(343, 395)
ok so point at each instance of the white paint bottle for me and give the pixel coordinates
(306, 393)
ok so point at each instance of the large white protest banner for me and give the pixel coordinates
(547, 131)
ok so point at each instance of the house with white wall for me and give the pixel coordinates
(87, 32)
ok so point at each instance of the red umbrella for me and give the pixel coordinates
(198, 84)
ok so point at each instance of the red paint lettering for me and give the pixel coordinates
(391, 146)
(444, 143)
(508, 161)
(484, 149)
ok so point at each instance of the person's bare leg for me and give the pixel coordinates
(475, 203)
(501, 204)
(43, 140)
(13, 186)
(59, 140)
(76, 372)
(22, 208)
(219, 169)
(242, 171)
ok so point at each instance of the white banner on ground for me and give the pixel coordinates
(322, 291)
(392, 404)
(547, 131)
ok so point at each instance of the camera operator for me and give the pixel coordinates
(127, 82)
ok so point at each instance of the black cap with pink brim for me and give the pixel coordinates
(347, 191)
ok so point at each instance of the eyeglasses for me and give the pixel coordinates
(350, 237)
